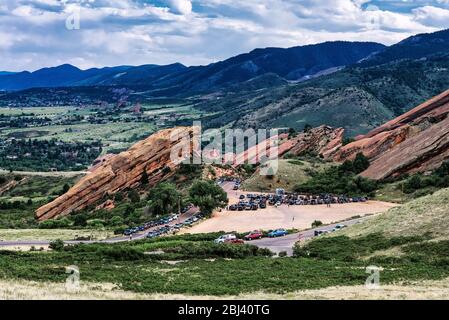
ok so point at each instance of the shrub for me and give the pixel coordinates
(55, 224)
(80, 220)
(57, 245)
(316, 224)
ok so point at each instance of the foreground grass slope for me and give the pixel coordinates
(426, 215)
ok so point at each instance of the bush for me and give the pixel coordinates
(133, 196)
(316, 224)
(341, 180)
(80, 220)
(57, 245)
(96, 223)
(203, 250)
(116, 221)
(55, 224)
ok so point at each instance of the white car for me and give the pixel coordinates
(339, 227)
(225, 237)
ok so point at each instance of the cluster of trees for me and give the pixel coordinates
(342, 179)
(36, 155)
(23, 121)
(165, 198)
(438, 179)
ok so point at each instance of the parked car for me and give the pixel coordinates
(128, 232)
(224, 238)
(278, 233)
(320, 232)
(254, 235)
(153, 234)
(233, 207)
(339, 227)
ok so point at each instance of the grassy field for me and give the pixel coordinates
(51, 234)
(425, 215)
(193, 265)
(37, 189)
(290, 173)
(113, 135)
(44, 111)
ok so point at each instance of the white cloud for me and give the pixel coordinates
(432, 16)
(33, 33)
(180, 6)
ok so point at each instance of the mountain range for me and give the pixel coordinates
(354, 85)
(290, 64)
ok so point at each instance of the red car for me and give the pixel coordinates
(235, 241)
(254, 236)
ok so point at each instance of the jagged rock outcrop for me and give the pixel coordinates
(323, 141)
(417, 141)
(121, 172)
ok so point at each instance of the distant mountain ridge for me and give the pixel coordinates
(415, 47)
(289, 64)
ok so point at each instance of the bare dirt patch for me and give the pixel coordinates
(289, 217)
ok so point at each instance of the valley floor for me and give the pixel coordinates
(29, 290)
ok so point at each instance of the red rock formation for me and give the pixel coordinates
(120, 172)
(421, 152)
(414, 142)
(324, 141)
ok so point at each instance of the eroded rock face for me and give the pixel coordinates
(324, 141)
(120, 172)
(417, 141)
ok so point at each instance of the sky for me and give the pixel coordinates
(97, 33)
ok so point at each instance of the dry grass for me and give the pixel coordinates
(28, 290)
(289, 174)
(429, 214)
(50, 234)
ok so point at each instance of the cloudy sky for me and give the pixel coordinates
(93, 33)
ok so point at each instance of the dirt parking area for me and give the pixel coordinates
(289, 217)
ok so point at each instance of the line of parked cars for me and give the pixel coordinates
(254, 235)
(254, 202)
(163, 223)
(170, 229)
(151, 224)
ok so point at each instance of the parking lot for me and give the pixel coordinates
(283, 216)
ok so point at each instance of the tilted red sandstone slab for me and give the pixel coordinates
(423, 152)
(121, 172)
(393, 134)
